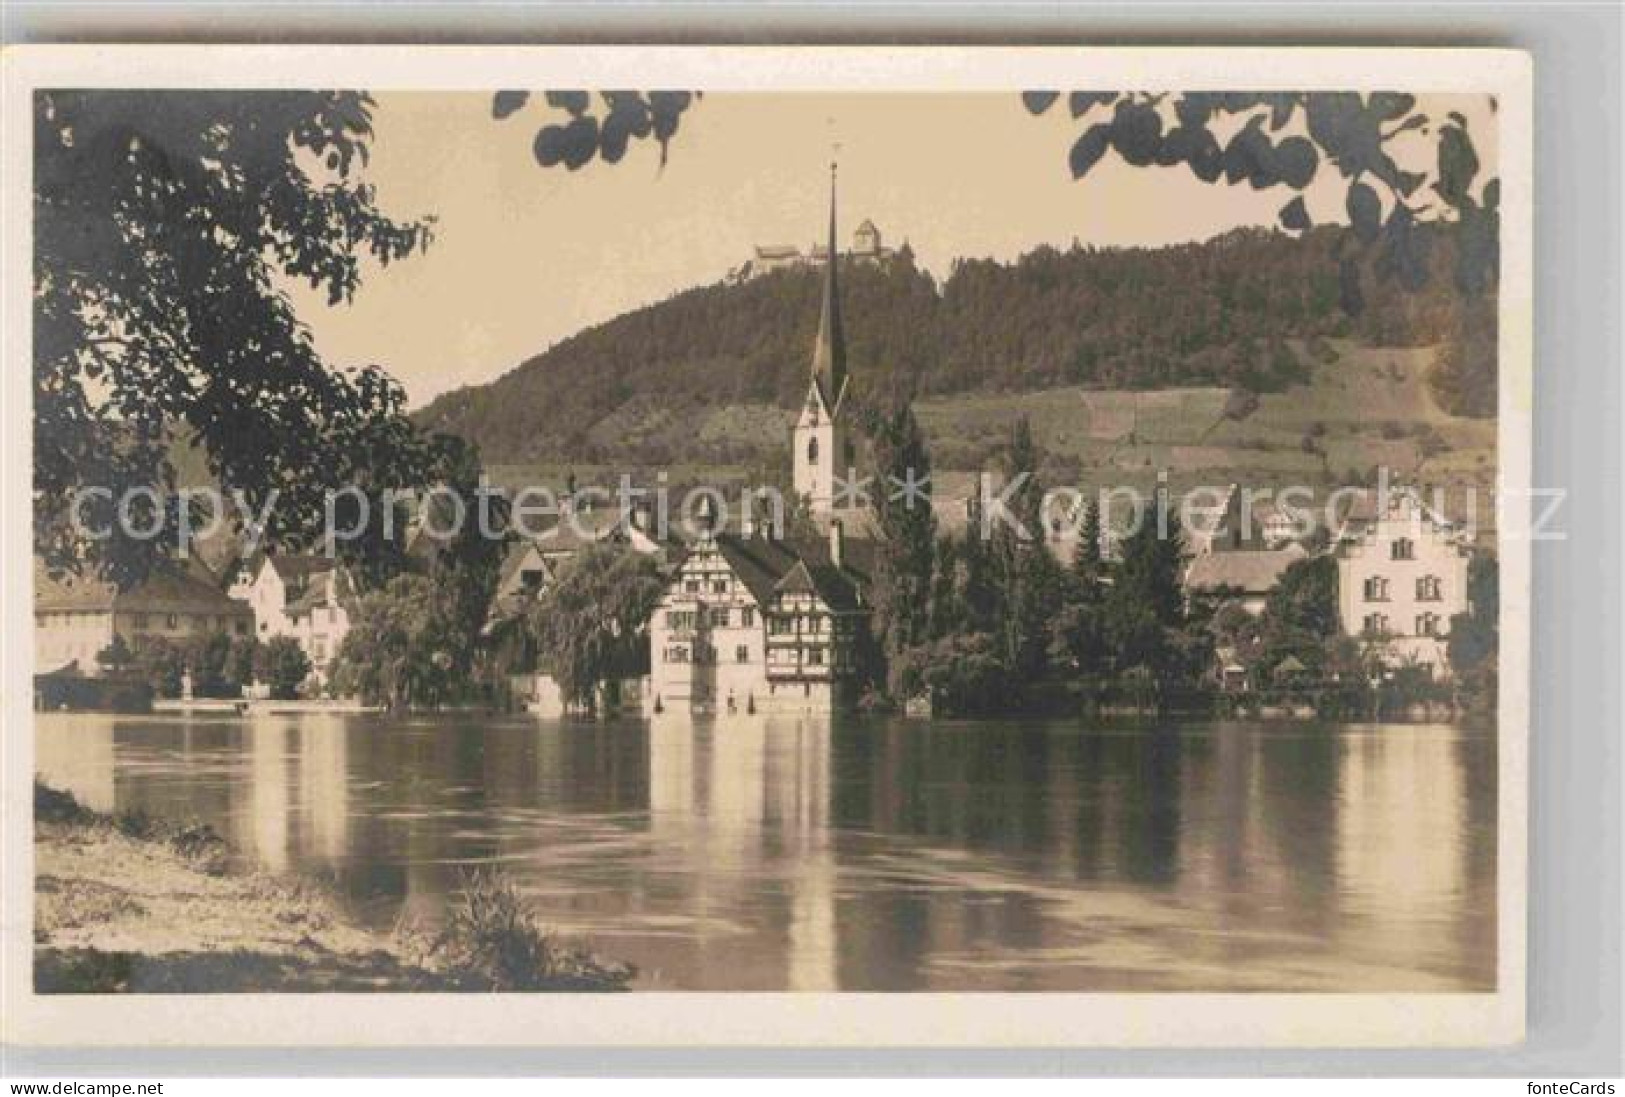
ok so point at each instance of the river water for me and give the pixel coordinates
(757, 854)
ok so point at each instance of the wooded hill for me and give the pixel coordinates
(1215, 313)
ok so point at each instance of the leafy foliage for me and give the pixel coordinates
(590, 625)
(905, 537)
(605, 128)
(1281, 139)
(282, 666)
(167, 224)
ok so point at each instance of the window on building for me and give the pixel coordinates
(1427, 624)
(692, 586)
(719, 618)
(141, 622)
(677, 653)
(1376, 589)
(1429, 589)
(719, 586)
(812, 451)
(780, 626)
(742, 654)
(171, 622)
(1376, 624)
(747, 617)
(242, 628)
(1403, 548)
(815, 656)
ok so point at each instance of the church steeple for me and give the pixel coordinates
(829, 352)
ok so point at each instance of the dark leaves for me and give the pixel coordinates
(1295, 216)
(1458, 163)
(1037, 102)
(1365, 211)
(1295, 162)
(505, 103)
(1136, 132)
(573, 102)
(1088, 149)
(1082, 102)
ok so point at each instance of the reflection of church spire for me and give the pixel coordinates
(829, 352)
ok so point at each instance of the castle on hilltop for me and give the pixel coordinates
(867, 247)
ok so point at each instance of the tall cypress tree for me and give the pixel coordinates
(906, 542)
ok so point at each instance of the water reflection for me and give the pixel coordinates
(748, 853)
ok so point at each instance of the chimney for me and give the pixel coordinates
(835, 543)
(747, 521)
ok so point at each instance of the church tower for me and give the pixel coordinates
(821, 444)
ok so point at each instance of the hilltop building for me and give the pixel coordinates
(1402, 575)
(867, 247)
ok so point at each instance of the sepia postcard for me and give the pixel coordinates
(828, 546)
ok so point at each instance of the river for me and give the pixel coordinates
(758, 854)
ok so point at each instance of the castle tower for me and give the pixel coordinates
(821, 447)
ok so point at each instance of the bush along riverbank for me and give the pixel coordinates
(129, 903)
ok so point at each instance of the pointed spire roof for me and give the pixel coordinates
(829, 351)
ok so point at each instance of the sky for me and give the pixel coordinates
(525, 256)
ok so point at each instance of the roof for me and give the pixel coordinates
(295, 566)
(868, 226)
(316, 594)
(777, 251)
(829, 348)
(1250, 571)
(175, 588)
(769, 567)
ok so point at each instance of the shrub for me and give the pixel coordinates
(491, 939)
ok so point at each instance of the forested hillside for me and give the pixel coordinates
(1214, 313)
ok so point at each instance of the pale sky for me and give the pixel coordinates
(525, 256)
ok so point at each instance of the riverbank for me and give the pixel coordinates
(136, 905)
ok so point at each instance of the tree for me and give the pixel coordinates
(906, 537)
(165, 225)
(116, 657)
(395, 653)
(240, 661)
(206, 658)
(591, 625)
(963, 673)
(1147, 601)
(283, 667)
(1475, 636)
(161, 663)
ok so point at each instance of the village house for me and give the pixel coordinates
(1239, 551)
(754, 623)
(76, 618)
(1401, 576)
(305, 596)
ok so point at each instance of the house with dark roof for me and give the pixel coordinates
(758, 623)
(76, 617)
(1243, 576)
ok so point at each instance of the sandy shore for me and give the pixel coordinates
(129, 905)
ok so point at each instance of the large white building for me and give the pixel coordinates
(1402, 575)
(756, 623)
